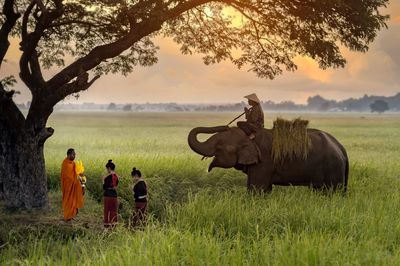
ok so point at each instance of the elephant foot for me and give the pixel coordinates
(258, 190)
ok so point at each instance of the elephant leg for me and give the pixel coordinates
(318, 187)
(262, 188)
(258, 180)
(333, 180)
(327, 188)
(324, 189)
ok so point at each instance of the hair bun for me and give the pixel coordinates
(136, 172)
(110, 161)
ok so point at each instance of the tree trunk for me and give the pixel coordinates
(23, 182)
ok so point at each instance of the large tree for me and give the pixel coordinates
(97, 37)
(379, 106)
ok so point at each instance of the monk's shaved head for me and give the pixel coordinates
(71, 154)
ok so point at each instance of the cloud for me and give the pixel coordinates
(356, 66)
(170, 72)
(309, 68)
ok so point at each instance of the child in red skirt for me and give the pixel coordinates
(110, 182)
(140, 193)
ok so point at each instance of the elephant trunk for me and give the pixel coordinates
(206, 148)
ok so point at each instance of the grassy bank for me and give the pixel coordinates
(209, 218)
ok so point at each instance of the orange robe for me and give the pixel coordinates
(71, 189)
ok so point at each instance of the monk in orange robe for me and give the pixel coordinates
(71, 187)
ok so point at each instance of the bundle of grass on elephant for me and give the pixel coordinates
(290, 140)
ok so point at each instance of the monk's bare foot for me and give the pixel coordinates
(252, 136)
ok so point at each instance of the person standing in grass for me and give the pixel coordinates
(72, 198)
(140, 193)
(110, 182)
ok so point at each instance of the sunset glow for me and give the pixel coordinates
(310, 69)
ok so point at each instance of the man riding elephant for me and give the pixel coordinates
(254, 116)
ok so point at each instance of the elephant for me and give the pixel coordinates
(325, 167)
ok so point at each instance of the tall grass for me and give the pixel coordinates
(209, 218)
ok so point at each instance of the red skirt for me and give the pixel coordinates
(110, 211)
(138, 217)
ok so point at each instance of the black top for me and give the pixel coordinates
(109, 190)
(140, 192)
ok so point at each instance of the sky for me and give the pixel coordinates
(185, 79)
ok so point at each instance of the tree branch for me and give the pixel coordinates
(76, 21)
(36, 71)
(25, 73)
(32, 76)
(42, 7)
(25, 19)
(258, 38)
(185, 6)
(103, 52)
(80, 84)
(11, 19)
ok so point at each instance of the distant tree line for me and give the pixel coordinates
(316, 103)
(364, 104)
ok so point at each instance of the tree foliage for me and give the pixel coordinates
(127, 108)
(379, 106)
(8, 82)
(112, 107)
(268, 34)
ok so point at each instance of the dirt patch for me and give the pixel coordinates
(18, 225)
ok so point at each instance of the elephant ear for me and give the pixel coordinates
(249, 153)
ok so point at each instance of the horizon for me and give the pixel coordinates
(217, 103)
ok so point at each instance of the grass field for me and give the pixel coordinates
(200, 218)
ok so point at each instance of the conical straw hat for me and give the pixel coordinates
(253, 97)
